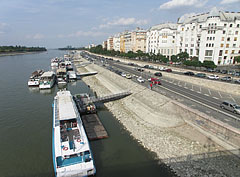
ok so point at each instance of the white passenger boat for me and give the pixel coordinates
(34, 78)
(70, 147)
(47, 80)
(72, 75)
(54, 62)
(62, 76)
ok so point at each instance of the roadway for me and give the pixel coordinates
(200, 98)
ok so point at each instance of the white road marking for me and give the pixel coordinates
(200, 89)
(179, 82)
(217, 110)
(185, 85)
(209, 92)
(219, 94)
(215, 98)
(206, 94)
(232, 98)
(198, 92)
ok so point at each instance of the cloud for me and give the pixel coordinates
(35, 36)
(82, 34)
(123, 22)
(172, 4)
(229, 1)
(3, 27)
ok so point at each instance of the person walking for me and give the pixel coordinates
(151, 86)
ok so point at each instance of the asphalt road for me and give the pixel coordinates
(200, 98)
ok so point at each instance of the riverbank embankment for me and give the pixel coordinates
(18, 53)
(159, 125)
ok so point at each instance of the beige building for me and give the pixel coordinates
(110, 43)
(104, 45)
(138, 39)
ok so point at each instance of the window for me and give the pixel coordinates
(233, 51)
(237, 25)
(222, 38)
(186, 45)
(234, 45)
(230, 25)
(224, 31)
(192, 45)
(226, 51)
(208, 52)
(210, 38)
(207, 45)
(227, 45)
(191, 51)
(213, 38)
(228, 39)
(182, 29)
(225, 25)
(221, 45)
(236, 32)
(200, 26)
(235, 38)
(212, 45)
(207, 38)
(220, 52)
(225, 57)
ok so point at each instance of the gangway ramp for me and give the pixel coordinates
(108, 98)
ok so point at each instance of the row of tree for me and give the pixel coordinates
(12, 49)
(181, 58)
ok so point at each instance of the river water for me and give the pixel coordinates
(26, 128)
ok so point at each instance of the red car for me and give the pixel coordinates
(156, 81)
(168, 70)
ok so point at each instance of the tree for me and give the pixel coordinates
(237, 59)
(209, 64)
(183, 56)
(174, 58)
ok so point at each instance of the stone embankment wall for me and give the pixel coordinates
(216, 85)
(155, 122)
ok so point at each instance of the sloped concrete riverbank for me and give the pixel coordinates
(154, 121)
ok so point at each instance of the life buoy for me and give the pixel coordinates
(78, 140)
(65, 148)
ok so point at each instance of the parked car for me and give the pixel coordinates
(237, 81)
(168, 70)
(210, 70)
(189, 73)
(200, 75)
(158, 74)
(155, 81)
(233, 107)
(214, 77)
(123, 74)
(224, 71)
(140, 69)
(226, 78)
(140, 79)
(128, 76)
(162, 68)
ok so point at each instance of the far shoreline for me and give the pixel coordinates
(19, 53)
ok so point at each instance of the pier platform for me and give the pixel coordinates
(94, 127)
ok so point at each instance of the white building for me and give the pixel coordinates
(213, 36)
(161, 39)
(116, 42)
(127, 41)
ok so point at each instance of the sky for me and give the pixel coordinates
(59, 23)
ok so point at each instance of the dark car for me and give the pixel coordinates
(168, 70)
(237, 81)
(200, 75)
(189, 73)
(226, 78)
(158, 74)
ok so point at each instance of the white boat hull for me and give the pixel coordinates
(33, 83)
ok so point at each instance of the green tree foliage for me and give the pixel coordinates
(209, 64)
(12, 49)
(183, 56)
(237, 59)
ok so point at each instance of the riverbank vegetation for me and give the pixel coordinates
(20, 49)
(181, 58)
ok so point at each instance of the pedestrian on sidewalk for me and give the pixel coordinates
(151, 86)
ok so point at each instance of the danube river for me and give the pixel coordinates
(26, 128)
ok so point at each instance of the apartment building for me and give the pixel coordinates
(213, 36)
(110, 43)
(104, 45)
(116, 42)
(138, 38)
(127, 41)
(161, 39)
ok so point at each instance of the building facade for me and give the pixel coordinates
(110, 43)
(138, 39)
(116, 42)
(161, 39)
(213, 36)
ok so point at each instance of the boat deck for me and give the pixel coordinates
(94, 127)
